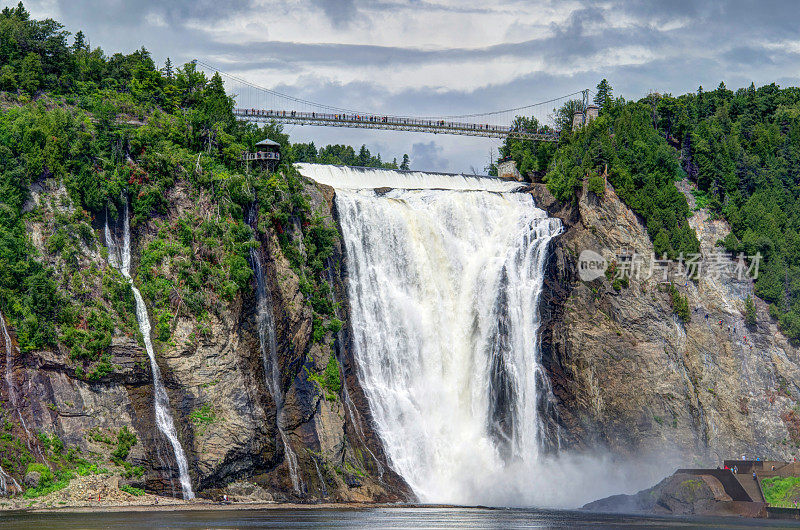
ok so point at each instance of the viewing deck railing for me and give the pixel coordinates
(261, 155)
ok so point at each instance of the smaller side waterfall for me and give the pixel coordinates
(9, 375)
(121, 260)
(12, 394)
(269, 354)
(350, 407)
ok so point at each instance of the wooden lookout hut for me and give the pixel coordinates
(267, 154)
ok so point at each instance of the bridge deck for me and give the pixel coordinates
(392, 123)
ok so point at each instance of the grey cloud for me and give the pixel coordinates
(128, 13)
(731, 41)
(339, 12)
(428, 156)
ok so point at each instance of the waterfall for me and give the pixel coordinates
(12, 395)
(12, 390)
(121, 260)
(269, 354)
(444, 288)
(350, 407)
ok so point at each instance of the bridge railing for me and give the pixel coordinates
(396, 121)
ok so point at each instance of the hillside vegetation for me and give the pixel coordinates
(741, 149)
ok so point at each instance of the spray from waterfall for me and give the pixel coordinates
(121, 260)
(269, 354)
(444, 289)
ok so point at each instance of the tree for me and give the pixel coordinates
(565, 114)
(405, 164)
(31, 75)
(168, 73)
(80, 42)
(749, 311)
(603, 95)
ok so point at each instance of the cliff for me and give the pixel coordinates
(631, 376)
(63, 410)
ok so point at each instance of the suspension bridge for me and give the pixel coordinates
(259, 104)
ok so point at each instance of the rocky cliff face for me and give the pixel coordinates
(214, 376)
(630, 376)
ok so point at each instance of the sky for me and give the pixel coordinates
(445, 57)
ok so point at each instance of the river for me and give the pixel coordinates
(371, 518)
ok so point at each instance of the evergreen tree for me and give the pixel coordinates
(749, 311)
(603, 96)
(405, 164)
(168, 69)
(80, 42)
(31, 74)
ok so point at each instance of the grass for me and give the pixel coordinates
(203, 417)
(781, 491)
(48, 482)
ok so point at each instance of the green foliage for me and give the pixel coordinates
(532, 158)
(680, 303)
(329, 380)
(341, 155)
(48, 481)
(202, 417)
(641, 167)
(749, 311)
(138, 492)
(781, 491)
(596, 185)
(743, 150)
(125, 441)
(604, 94)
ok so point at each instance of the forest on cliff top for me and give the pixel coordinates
(103, 125)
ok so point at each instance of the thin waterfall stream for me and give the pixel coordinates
(120, 259)
(12, 394)
(444, 288)
(269, 354)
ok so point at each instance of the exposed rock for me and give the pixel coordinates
(680, 494)
(221, 369)
(32, 479)
(630, 376)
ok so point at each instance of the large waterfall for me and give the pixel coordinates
(444, 287)
(121, 260)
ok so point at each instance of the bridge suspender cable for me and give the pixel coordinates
(343, 117)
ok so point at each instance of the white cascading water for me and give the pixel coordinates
(12, 394)
(269, 356)
(444, 286)
(121, 260)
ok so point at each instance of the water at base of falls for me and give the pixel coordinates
(444, 288)
(269, 356)
(121, 260)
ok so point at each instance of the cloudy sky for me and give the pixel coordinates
(442, 57)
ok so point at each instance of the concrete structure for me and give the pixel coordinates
(577, 120)
(585, 117)
(507, 168)
(592, 112)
